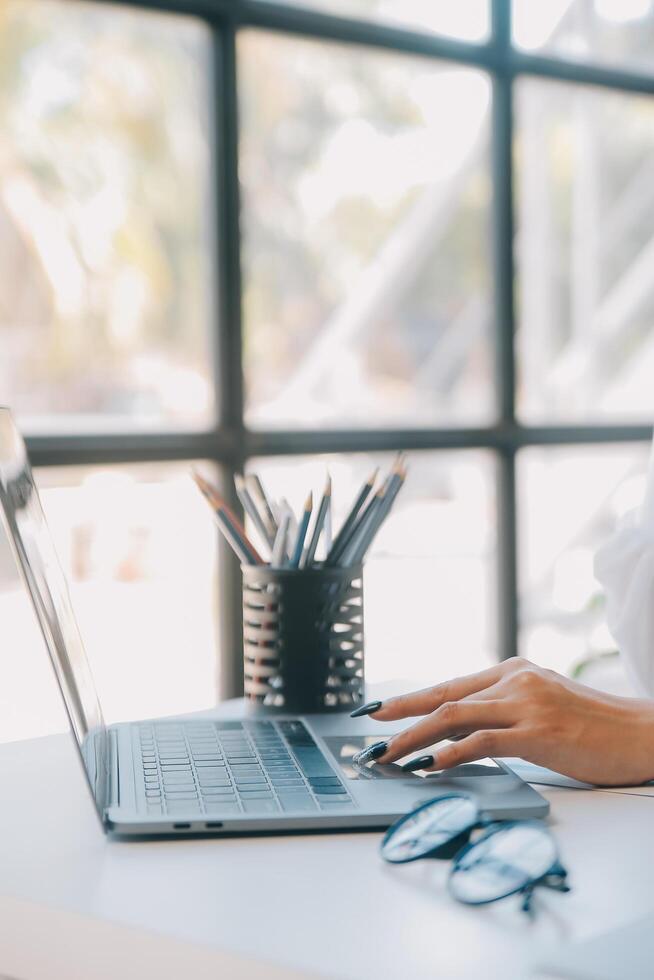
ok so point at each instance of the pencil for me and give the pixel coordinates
(307, 558)
(337, 547)
(278, 558)
(266, 510)
(328, 526)
(251, 509)
(292, 527)
(369, 534)
(229, 523)
(360, 528)
(302, 532)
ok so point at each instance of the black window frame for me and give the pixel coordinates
(229, 443)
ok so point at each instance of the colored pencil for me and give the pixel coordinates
(229, 523)
(257, 489)
(328, 527)
(302, 532)
(360, 528)
(307, 558)
(336, 549)
(251, 509)
(369, 534)
(278, 559)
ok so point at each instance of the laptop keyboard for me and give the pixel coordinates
(229, 767)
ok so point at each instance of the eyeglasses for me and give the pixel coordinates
(508, 858)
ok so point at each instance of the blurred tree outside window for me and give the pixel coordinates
(364, 243)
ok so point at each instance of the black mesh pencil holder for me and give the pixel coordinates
(303, 637)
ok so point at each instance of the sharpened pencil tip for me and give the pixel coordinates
(308, 504)
(200, 480)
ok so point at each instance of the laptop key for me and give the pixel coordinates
(220, 809)
(328, 790)
(312, 762)
(260, 806)
(296, 802)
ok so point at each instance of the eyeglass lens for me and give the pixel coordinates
(503, 861)
(428, 828)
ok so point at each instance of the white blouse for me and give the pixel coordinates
(625, 568)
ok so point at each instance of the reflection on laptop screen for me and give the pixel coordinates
(39, 565)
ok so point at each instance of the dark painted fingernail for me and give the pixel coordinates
(372, 752)
(366, 709)
(420, 762)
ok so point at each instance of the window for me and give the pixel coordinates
(303, 235)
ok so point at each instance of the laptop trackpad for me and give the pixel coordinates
(343, 748)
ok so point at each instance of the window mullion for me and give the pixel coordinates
(228, 367)
(503, 276)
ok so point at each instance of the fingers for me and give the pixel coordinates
(430, 698)
(453, 718)
(480, 745)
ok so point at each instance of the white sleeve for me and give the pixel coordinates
(624, 566)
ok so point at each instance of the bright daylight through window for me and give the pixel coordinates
(299, 236)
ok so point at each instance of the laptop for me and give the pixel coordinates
(265, 772)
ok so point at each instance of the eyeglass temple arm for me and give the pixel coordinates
(555, 879)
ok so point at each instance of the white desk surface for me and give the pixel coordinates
(321, 905)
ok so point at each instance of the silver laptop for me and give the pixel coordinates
(182, 776)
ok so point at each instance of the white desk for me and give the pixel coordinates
(322, 905)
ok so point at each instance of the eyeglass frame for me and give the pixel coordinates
(459, 845)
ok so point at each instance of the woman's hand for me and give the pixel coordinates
(518, 709)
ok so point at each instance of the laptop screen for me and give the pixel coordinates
(39, 565)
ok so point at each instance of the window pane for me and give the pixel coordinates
(138, 547)
(618, 32)
(429, 578)
(467, 21)
(570, 501)
(585, 248)
(366, 261)
(104, 302)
